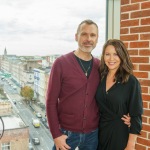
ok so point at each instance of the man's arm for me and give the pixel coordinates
(54, 87)
(53, 91)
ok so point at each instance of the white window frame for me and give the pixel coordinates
(5, 146)
(112, 19)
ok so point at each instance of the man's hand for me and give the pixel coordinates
(126, 119)
(60, 143)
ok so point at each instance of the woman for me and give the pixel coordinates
(118, 93)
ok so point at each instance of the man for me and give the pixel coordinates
(72, 111)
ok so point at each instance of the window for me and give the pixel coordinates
(30, 68)
(5, 146)
(113, 19)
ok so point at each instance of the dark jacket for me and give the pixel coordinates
(71, 100)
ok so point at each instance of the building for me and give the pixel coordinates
(21, 68)
(51, 58)
(41, 76)
(16, 133)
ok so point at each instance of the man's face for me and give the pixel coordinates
(87, 37)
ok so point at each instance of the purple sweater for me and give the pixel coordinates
(71, 103)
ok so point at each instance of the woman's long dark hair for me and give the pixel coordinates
(126, 66)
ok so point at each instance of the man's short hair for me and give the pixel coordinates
(87, 21)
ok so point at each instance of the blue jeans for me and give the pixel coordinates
(84, 141)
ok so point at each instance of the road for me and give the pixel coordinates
(27, 114)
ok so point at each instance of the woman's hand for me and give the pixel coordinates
(126, 119)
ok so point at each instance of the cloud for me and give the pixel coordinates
(35, 27)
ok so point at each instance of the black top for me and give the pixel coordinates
(119, 100)
(85, 65)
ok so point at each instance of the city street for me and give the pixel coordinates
(27, 114)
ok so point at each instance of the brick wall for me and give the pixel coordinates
(135, 32)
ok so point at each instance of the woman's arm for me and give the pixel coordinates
(135, 112)
(131, 142)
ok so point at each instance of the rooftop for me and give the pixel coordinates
(13, 122)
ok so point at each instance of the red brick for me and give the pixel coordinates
(145, 21)
(144, 52)
(144, 119)
(145, 82)
(136, 1)
(130, 23)
(124, 2)
(143, 141)
(145, 104)
(124, 16)
(146, 97)
(133, 52)
(129, 37)
(124, 31)
(144, 67)
(143, 134)
(146, 127)
(144, 90)
(139, 44)
(146, 113)
(140, 147)
(140, 29)
(141, 74)
(140, 59)
(130, 7)
(145, 36)
(139, 14)
(145, 5)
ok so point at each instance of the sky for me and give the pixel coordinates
(45, 27)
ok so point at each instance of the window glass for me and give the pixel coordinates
(5, 146)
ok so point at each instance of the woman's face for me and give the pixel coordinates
(111, 58)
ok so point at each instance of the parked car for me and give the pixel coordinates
(44, 121)
(36, 141)
(46, 125)
(38, 115)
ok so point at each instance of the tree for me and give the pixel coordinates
(27, 92)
